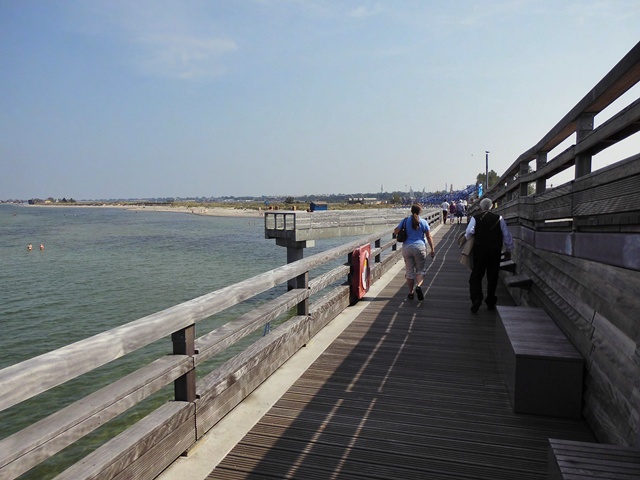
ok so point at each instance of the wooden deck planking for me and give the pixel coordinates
(409, 390)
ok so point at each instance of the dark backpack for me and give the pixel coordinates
(402, 234)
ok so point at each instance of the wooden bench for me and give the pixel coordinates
(542, 369)
(508, 266)
(570, 460)
(518, 281)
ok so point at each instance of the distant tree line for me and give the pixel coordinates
(36, 201)
(395, 197)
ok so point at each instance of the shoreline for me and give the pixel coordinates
(205, 211)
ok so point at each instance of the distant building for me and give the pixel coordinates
(314, 206)
(363, 200)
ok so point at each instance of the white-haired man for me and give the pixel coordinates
(489, 231)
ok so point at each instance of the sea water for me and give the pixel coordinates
(103, 267)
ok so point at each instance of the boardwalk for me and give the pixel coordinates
(409, 390)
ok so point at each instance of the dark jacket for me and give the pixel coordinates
(487, 236)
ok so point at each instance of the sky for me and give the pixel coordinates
(194, 98)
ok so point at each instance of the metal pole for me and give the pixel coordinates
(486, 172)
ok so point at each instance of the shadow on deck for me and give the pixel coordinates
(410, 390)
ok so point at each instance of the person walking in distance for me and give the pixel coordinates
(414, 250)
(460, 211)
(452, 211)
(445, 211)
(489, 231)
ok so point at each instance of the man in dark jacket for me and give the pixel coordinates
(489, 231)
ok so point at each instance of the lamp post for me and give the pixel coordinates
(486, 172)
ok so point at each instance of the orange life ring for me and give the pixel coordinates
(360, 272)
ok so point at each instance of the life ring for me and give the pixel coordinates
(360, 272)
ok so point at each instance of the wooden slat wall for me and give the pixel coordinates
(588, 278)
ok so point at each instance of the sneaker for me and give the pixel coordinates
(419, 293)
(491, 306)
(475, 307)
(410, 296)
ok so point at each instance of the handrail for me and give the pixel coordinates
(589, 141)
(18, 383)
(564, 219)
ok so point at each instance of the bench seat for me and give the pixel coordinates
(508, 266)
(570, 460)
(542, 369)
(518, 281)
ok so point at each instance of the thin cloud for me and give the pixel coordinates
(589, 12)
(167, 39)
(185, 56)
(365, 11)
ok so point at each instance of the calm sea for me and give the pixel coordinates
(103, 267)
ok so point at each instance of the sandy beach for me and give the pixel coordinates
(210, 211)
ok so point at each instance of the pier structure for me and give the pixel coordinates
(297, 230)
(292, 229)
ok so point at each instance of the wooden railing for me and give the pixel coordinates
(516, 180)
(150, 445)
(579, 243)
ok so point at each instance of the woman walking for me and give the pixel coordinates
(414, 250)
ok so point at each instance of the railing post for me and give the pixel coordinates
(509, 195)
(294, 253)
(541, 182)
(524, 186)
(184, 344)
(584, 126)
(377, 245)
(302, 281)
(350, 274)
